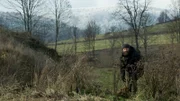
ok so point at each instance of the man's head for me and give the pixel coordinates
(126, 49)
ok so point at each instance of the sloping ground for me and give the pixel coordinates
(24, 63)
(29, 41)
(30, 72)
(21, 57)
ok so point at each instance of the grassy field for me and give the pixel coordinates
(105, 44)
(105, 77)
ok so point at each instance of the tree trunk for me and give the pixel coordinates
(145, 47)
(56, 42)
(136, 40)
(75, 46)
(94, 48)
(178, 30)
(115, 84)
(178, 35)
(75, 39)
(122, 40)
(145, 42)
(57, 32)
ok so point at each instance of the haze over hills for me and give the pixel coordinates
(80, 16)
(103, 16)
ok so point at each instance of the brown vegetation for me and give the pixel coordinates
(161, 77)
(28, 73)
(28, 70)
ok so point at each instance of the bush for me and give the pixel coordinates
(161, 77)
(20, 63)
(22, 66)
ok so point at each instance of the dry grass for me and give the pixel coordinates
(161, 78)
(31, 75)
(28, 74)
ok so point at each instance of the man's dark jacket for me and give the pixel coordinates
(128, 63)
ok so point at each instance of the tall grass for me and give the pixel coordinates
(28, 73)
(161, 78)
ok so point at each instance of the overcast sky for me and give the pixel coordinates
(105, 3)
(163, 4)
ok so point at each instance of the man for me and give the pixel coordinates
(128, 67)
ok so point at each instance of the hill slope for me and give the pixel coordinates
(157, 34)
(28, 41)
(31, 71)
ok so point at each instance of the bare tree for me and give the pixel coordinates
(90, 33)
(132, 12)
(174, 26)
(61, 12)
(121, 35)
(75, 29)
(29, 11)
(147, 22)
(44, 30)
(113, 41)
(163, 17)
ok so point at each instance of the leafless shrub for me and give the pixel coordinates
(80, 75)
(23, 67)
(68, 77)
(20, 63)
(161, 79)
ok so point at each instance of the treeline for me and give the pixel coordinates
(45, 30)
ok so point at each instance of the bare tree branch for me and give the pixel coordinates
(28, 10)
(61, 11)
(132, 12)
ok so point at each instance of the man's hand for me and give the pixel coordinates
(131, 67)
(123, 79)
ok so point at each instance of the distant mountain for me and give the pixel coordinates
(10, 22)
(44, 29)
(103, 16)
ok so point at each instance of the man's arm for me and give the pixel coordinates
(122, 69)
(134, 58)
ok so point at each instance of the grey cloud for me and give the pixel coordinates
(83, 3)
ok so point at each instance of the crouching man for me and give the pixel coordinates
(128, 67)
